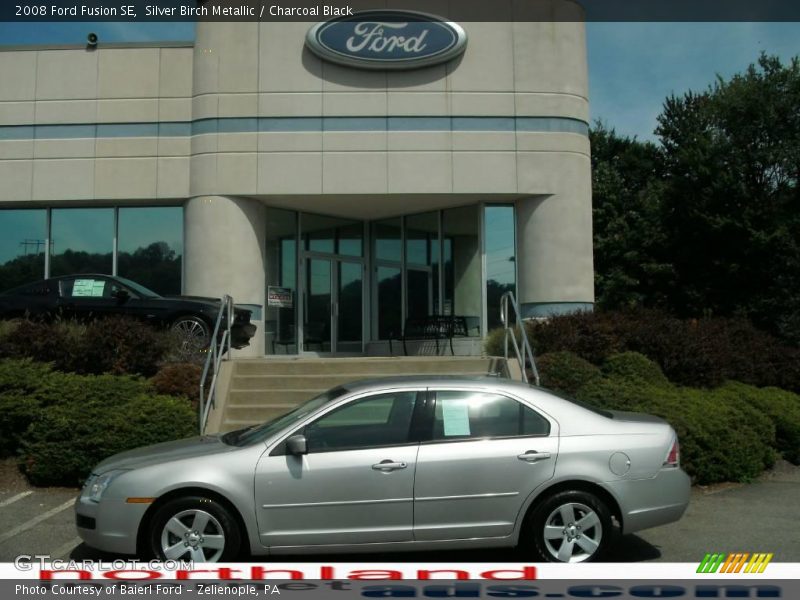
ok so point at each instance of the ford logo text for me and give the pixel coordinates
(387, 39)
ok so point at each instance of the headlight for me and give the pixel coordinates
(97, 484)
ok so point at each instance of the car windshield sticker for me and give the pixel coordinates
(88, 288)
(455, 414)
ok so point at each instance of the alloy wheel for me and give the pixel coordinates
(193, 535)
(572, 532)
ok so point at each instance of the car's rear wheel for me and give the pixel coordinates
(194, 528)
(193, 334)
(571, 526)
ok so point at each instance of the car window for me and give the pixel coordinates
(85, 287)
(380, 420)
(468, 415)
(40, 288)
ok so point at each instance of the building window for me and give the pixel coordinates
(331, 235)
(23, 240)
(280, 316)
(81, 241)
(501, 271)
(150, 247)
(422, 265)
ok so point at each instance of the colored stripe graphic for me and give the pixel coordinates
(735, 563)
(758, 563)
(710, 563)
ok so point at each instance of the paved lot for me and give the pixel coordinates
(749, 518)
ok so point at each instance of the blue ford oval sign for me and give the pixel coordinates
(387, 39)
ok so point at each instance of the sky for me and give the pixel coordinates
(633, 67)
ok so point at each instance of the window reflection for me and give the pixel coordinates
(82, 241)
(331, 235)
(389, 300)
(422, 265)
(22, 246)
(500, 259)
(386, 235)
(150, 247)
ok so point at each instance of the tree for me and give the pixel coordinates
(730, 206)
(627, 182)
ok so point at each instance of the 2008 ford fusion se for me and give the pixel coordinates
(405, 463)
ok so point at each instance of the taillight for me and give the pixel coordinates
(674, 456)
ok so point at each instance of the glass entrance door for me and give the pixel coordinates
(333, 308)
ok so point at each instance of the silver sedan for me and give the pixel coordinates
(408, 463)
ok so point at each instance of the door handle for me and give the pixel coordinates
(533, 456)
(389, 465)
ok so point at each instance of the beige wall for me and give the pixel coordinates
(94, 89)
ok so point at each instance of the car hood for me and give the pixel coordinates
(201, 299)
(165, 452)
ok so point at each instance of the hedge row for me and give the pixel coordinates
(61, 424)
(693, 352)
(729, 433)
(116, 344)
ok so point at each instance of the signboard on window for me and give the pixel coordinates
(92, 288)
(280, 297)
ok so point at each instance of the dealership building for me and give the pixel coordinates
(338, 179)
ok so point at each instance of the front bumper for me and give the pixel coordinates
(652, 502)
(116, 524)
(241, 334)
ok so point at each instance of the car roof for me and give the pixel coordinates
(434, 380)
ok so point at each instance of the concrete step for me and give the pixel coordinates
(294, 382)
(371, 367)
(273, 397)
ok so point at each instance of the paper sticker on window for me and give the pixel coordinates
(455, 415)
(88, 288)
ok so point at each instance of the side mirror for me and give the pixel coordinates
(122, 295)
(297, 445)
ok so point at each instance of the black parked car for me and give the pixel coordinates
(87, 297)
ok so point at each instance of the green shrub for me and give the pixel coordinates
(68, 440)
(693, 352)
(722, 438)
(495, 340)
(116, 344)
(121, 345)
(28, 388)
(634, 367)
(7, 327)
(53, 342)
(565, 372)
(782, 407)
(179, 379)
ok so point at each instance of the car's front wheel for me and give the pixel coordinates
(193, 334)
(194, 528)
(571, 526)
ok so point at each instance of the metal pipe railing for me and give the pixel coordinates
(523, 350)
(218, 351)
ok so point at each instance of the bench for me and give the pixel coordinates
(432, 327)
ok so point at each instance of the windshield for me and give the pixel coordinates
(259, 433)
(139, 289)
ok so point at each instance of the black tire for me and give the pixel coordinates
(584, 538)
(193, 333)
(190, 526)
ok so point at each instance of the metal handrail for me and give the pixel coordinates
(218, 351)
(524, 353)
